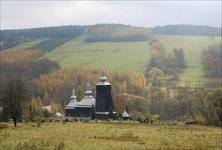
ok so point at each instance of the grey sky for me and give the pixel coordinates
(26, 14)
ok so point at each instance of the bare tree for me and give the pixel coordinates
(13, 97)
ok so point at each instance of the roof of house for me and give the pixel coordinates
(73, 101)
(48, 108)
(125, 114)
(71, 105)
(87, 101)
(58, 114)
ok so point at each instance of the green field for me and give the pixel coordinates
(132, 56)
(110, 136)
(193, 46)
(129, 56)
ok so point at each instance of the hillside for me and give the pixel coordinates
(61, 34)
(127, 56)
(132, 56)
(97, 46)
(98, 33)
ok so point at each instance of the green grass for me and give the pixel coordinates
(110, 136)
(193, 46)
(131, 56)
(127, 56)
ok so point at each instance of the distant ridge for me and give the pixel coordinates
(97, 33)
(198, 30)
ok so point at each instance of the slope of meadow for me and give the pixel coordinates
(110, 136)
(128, 56)
(133, 56)
(193, 47)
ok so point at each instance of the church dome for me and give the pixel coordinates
(73, 102)
(103, 79)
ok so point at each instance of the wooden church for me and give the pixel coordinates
(82, 108)
(103, 104)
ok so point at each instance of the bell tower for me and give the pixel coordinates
(104, 101)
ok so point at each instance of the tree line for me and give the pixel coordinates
(129, 90)
(10, 38)
(56, 36)
(117, 33)
(197, 30)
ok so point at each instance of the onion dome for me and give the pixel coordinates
(73, 101)
(103, 79)
(88, 99)
(88, 90)
(73, 96)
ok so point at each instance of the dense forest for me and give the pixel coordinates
(187, 30)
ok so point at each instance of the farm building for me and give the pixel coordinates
(103, 104)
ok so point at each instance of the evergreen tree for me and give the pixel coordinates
(93, 112)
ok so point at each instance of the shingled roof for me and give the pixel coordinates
(73, 101)
(87, 101)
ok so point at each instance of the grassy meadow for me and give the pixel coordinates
(193, 47)
(133, 56)
(117, 56)
(110, 136)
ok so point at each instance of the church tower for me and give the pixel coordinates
(104, 101)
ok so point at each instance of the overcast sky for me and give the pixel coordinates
(26, 14)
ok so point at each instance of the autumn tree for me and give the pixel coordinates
(211, 60)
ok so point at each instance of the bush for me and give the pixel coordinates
(200, 119)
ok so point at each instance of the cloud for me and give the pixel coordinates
(26, 14)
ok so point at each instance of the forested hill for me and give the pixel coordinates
(187, 30)
(10, 38)
(62, 34)
(56, 36)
